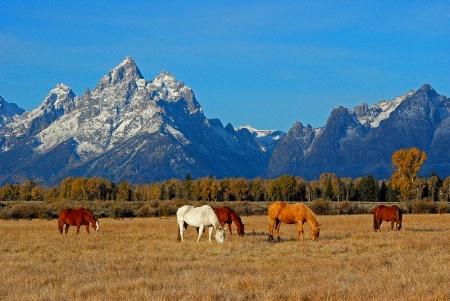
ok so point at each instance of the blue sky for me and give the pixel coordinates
(263, 63)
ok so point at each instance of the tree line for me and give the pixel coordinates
(403, 185)
(208, 189)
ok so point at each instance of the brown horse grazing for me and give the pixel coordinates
(76, 217)
(389, 214)
(292, 214)
(227, 215)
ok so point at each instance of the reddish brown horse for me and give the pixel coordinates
(389, 214)
(227, 215)
(76, 217)
(292, 214)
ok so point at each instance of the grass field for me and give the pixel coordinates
(140, 259)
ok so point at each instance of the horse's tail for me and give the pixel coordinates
(60, 225)
(375, 224)
(61, 218)
(399, 218)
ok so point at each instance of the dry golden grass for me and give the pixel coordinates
(140, 259)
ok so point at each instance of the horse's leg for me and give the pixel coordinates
(60, 227)
(210, 233)
(182, 227)
(78, 228)
(67, 228)
(87, 227)
(300, 231)
(379, 221)
(271, 225)
(277, 228)
(229, 227)
(392, 224)
(200, 232)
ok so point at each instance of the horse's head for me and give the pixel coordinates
(240, 230)
(96, 225)
(315, 232)
(220, 234)
(398, 225)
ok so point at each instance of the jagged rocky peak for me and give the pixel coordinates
(427, 92)
(371, 117)
(127, 68)
(168, 87)
(126, 71)
(165, 87)
(9, 109)
(61, 97)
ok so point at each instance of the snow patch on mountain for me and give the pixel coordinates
(267, 139)
(61, 130)
(371, 117)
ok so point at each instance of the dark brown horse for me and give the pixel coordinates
(389, 214)
(76, 217)
(227, 215)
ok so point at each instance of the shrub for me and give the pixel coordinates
(424, 206)
(347, 207)
(24, 210)
(122, 210)
(146, 211)
(166, 208)
(443, 208)
(321, 207)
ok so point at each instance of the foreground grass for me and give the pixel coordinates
(140, 259)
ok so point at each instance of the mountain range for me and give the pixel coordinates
(131, 129)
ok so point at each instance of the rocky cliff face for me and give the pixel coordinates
(359, 143)
(127, 128)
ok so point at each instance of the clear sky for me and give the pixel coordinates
(263, 63)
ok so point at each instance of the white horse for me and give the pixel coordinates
(199, 217)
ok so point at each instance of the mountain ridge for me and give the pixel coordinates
(128, 128)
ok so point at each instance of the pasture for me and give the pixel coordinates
(140, 259)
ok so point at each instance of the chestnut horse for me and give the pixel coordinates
(227, 215)
(292, 214)
(76, 217)
(389, 214)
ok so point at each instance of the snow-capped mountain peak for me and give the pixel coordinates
(126, 72)
(60, 97)
(167, 86)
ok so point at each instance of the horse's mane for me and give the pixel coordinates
(311, 213)
(235, 215)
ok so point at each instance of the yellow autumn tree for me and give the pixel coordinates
(406, 162)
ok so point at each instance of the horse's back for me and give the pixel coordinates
(386, 212)
(275, 208)
(207, 214)
(70, 216)
(287, 213)
(196, 216)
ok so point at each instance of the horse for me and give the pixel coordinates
(226, 215)
(76, 217)
(199, 217)
(389, 214)
(292, 214)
